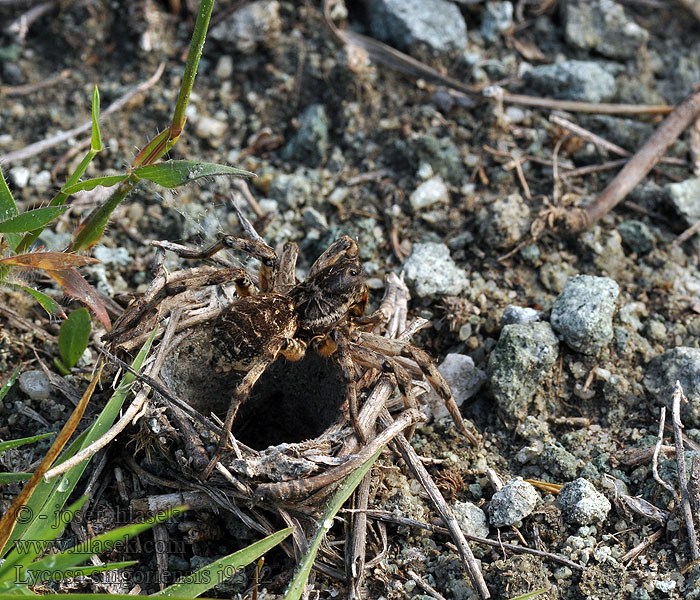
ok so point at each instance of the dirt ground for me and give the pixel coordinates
(382, 135)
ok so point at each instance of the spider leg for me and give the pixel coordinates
(285, 277)
(241, 393)
(343, 247)
(341, 346)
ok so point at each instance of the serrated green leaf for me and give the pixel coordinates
(96, 143)
(31, 220)
(8, 206)
(10, 382)
(74, 336)
(13, 477)
(91, 184)
(46, 302)
(23, 441)
(173, 173)
(207, 577)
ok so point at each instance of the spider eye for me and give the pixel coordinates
(354, 272)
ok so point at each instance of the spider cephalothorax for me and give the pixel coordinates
(284, 317)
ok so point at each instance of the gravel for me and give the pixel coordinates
(471, 519)
(637, 236)
(430, 271)
(503, 223)
(582, 504)
(678, 364)
(252, 24)
(512, 503)
(683, 197)
(519, 314)
(572, 80)
(464, 379)
(519, 363)
(432, 191)
(497, 18)
(582, 314)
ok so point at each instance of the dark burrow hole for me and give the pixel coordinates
(291, 402)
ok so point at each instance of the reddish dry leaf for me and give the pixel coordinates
(49, 261)
(76, 287)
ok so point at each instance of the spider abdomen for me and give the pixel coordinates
(245, 328)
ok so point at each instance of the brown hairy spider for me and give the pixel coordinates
(284, 318)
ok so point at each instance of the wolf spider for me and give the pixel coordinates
(284, 318)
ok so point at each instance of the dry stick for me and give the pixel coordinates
(413, 461)
(44, 145)
(425, 586)
(602, 142)
(638, 166)
(682, 479)
(639, 548)
(30, 88)
(355, 554)
(655, 456)
(687, 234)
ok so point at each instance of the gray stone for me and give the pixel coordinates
(42, 180)
(252, 24)
(583, 313)
(512, 503)
(19, 177)
(559, 461)
(112, 256)
(519, 314)
(637, 235)
(409, 24)
(309, 145)
(35, 384)
(442, 154)
(603, 26)
(464, 379)
(290, 190)
(519, 363)
(685, 199)
(430, 271)
(471, 519)
(503, 223)
(678, 364)
(429, 192)
(209, 128)
(497, 18)
(572, 80)
(582, 504)
(224, 67)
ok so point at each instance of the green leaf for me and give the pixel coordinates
(8, 206)
(46, 302)
(296, 587)
(10, 382)
(91, 184)
(50, 497)
(96, 143)
(74, 336)
(33, 219)
(104, 542)
(13, 477)
(172, 173)
(23, 441)
(207, 577)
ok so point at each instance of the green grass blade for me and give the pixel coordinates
(96, 141)
(532, 594)
(22, 441)
(91, 184)
(51, 496)
(46, 302)
(32, 219)
(10, 382)
(93, 227)
(173, 173)
(27, 550)
(13, 477)
(74, 335)
(209, 576)
(296, 587)
(104, 542)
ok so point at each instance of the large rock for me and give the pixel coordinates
(679, 364)
(572, 80)
(583, 313)
(603, 26)
(519, 363)
(409, 24)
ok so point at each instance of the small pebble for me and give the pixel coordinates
(471, 519)
(582, 504)
(512, 503)
(35, 384)
(428, 193)
(518, 314)
(19, 177)
(430, 271)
